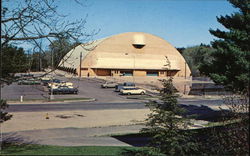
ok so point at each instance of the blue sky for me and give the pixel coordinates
(183, 23)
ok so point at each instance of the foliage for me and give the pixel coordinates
(230, 65)
(14, 60)
(166, 123)
(235, 138)
(59, 48)
(4, 116)
(196, 56)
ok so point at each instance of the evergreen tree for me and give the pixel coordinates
(166, 123)
(196, 56)
(14, 60)
(230, 64)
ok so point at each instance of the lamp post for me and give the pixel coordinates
(134, 69)
(80, 70)
(52, 84)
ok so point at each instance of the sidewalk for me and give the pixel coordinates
(98, 136)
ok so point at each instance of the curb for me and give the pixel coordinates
(47, 102)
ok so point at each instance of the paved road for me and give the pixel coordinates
(96, 105)
(74, 106)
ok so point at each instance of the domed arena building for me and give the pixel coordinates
(126, 54)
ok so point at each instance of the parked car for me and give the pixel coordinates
(29, 82)
(132, 90)
(54, 82)
(27, 75)
(109, 85)
(47, 82)
(120, 86)
(63, 90)
(61, 83)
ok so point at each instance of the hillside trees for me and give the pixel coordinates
(230, 65)
(196, 56)
(14, 60)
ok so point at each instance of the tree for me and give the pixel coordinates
(37, 22)
(196, 56)
(59, 48)
(14, 60)
(230, 65)
(166, 123)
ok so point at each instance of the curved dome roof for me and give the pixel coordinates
(131, 50)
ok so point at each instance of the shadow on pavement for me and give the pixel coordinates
(199, 112)
(12, 140)
(136, 140)
(204, 113)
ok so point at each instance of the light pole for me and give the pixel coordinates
(52, 68)
(134, 69)
(80, 70)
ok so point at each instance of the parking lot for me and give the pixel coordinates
(87, 87)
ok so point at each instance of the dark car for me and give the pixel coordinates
(64, 90)
(120, 86)
(29, 82)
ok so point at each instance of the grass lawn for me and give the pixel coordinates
(62, 150)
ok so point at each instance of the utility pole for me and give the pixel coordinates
(134, 70)
(80, 70)
(185, 70)
(52, 68)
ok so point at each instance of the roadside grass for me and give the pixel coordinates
(32, 149)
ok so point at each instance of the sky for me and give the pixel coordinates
(182, 23)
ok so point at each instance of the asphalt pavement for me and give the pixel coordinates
(213, 104)
(98, 136)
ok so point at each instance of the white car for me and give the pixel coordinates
(109, 85)
(132, 90)
(55, 84)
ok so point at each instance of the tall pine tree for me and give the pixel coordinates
(230, 65)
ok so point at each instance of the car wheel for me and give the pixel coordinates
(129, 93)
(142, 93)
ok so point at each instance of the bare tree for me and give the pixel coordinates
(38, 22)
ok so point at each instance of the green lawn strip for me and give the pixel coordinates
(62, 150)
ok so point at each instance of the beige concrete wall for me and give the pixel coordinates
(162, 74)
(139, 73)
